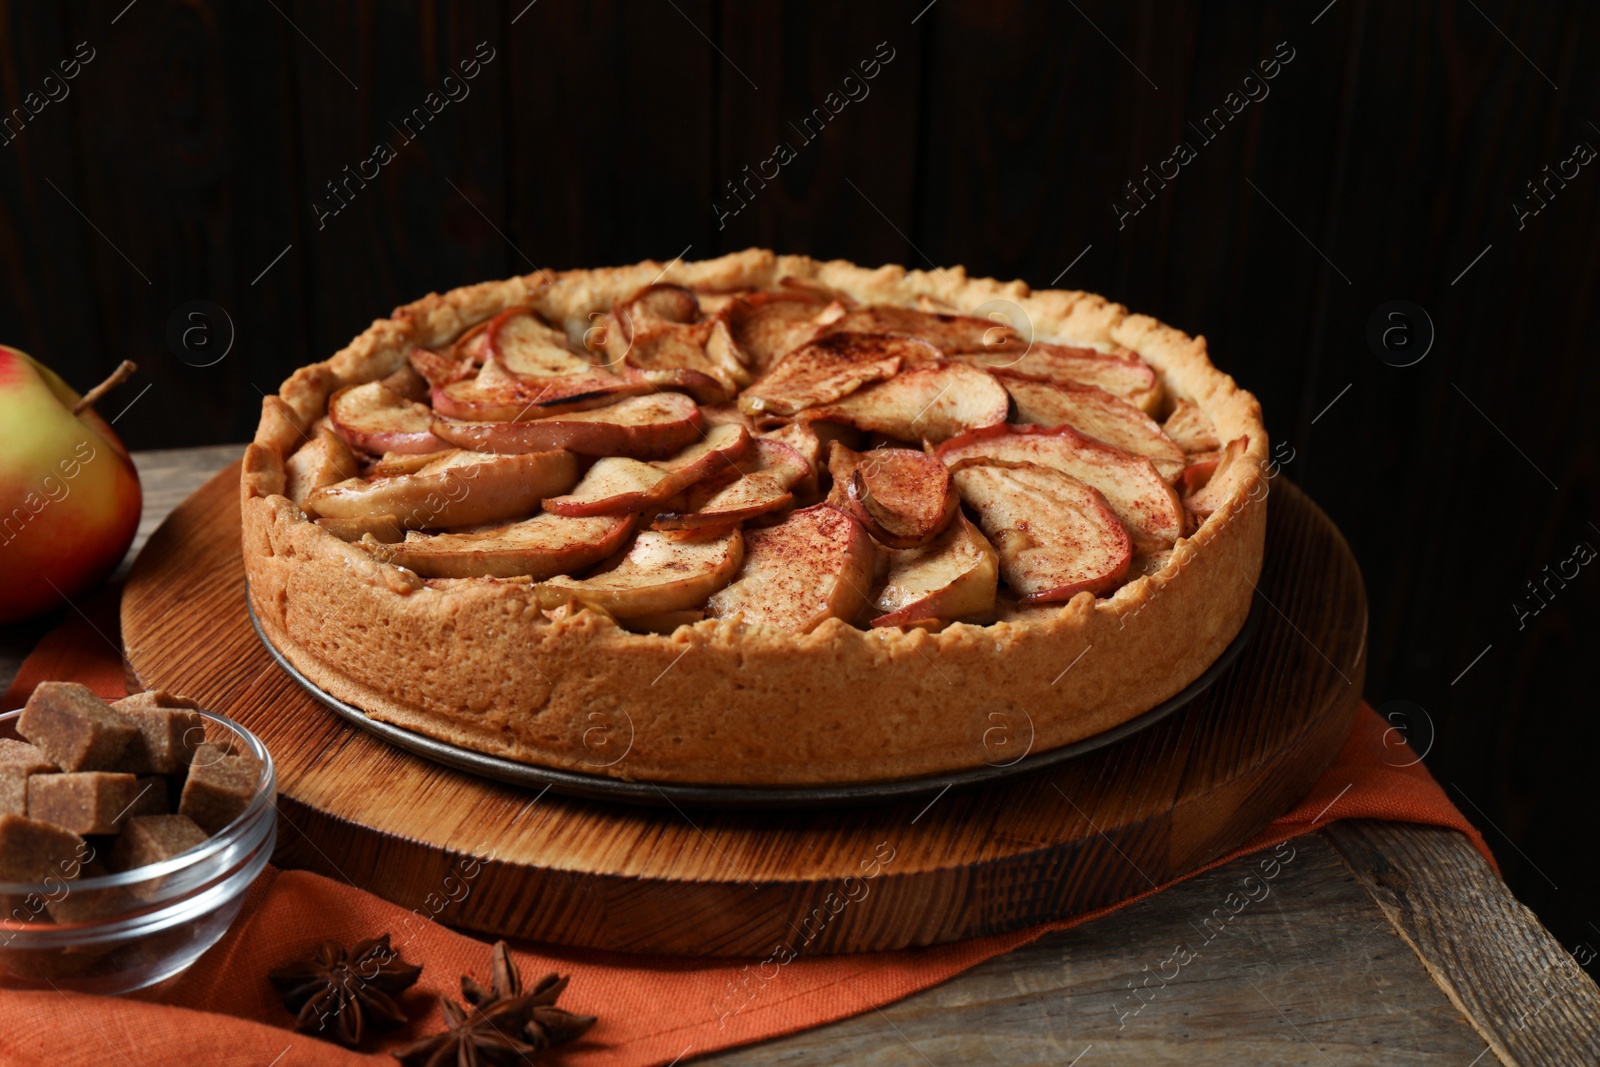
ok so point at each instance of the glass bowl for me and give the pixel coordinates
(113, 933)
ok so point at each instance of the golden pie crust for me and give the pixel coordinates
(475, 661)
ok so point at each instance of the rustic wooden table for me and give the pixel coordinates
(1377, 943)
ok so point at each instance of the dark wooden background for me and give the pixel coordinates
(1386, 158)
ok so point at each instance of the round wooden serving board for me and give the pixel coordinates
(508, 860)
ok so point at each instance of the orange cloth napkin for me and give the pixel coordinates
(653, 1010)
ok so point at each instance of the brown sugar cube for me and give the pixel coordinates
(31, 851)
(153, 698)
(220, 786)
(90, 802)
(151, 798)
(13, 791)
(30, 758)
(75, 728)
(72, 904)
(165, 742)
(152, 838)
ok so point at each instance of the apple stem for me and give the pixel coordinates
(118, 376)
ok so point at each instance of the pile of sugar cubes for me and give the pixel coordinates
(98, 788)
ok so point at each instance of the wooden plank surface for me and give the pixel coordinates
(1528, 996)
(1410, 936)
(1308, 974)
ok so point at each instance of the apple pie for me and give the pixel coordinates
(758, 519)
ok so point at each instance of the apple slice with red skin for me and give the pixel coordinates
(529, 347)
(663, 571)
(440, 370)
(757, 484)
(657, 304)
(697, 359)
(766, 326)
(374, 419)
(459, 489)
(903, 497)
(931, 400)
(616, 484)
(539, 547)
(1095, 413)
(950, 333)
(830, 368)
(1055, 536)
(324, 460)
(395, 463)
(384, 529)
(1193, 478)
(1138, 494)
(406, 382)
(815, 565)
(1216, 487)
(645, 427)
(497, 395)
(665, 340)
(1192, 428)
(472, 346)
(954, 577)
(1124, 376)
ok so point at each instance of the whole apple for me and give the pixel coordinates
(69, 494)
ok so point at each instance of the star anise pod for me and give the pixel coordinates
(346, 990)
(474, 1038)
(504, 1026)
(547, 1024)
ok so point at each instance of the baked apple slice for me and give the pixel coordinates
(384, 529)
(654, 306)
(528, 347)
(616, 484)
(664, 571)
(931, 400)
(405, 382)
(697, 359)
(646, 427)
(497, 395)
(828, 369)
(1215, 485)
(1096, 413)
(815, 565)
(954, 577)
(373, 418)
(903, 497)
(658, 304)
(1056, 537)
(950, 333)
(1123, 375)
(460, 489)
(322, 461)
(393, 463)
(472, 346)
(1192, 428)
(541, 547)
(764, 327)
(804, 439)
(440, 370)
(1138, 494)
(757, 484)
